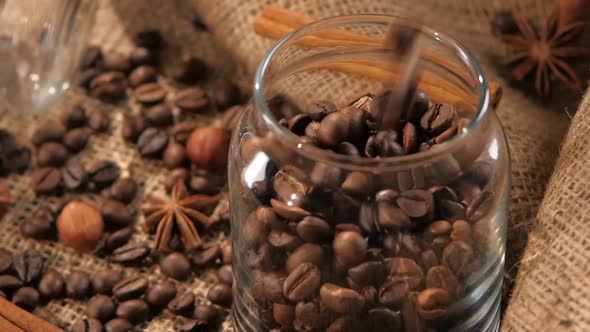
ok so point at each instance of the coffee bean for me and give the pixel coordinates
(437, 119)
(340, 299)
(101, 307)
(283, 314)
(310, 316)
(357, 183)
(87, 325)
(459, 257)
(318, 110)
(207, 183)
(206, 255)
(177, 174)
(92, 57)
(152, 142)
(150, 93)
(150, 39)
(9, 282)
(220, 294)
(191, 70)
(175, 265)
(194, 326)
(313, 229)
(78, 285)
(367, 273)
(429, 259)
(16, 160)
(174, 155)
(182, 304)
(461, 231)
(349, 247)
(74, 116)
(133, 126)
(311, 132)
(116, 214)
(47, 316)
(40, 226)
(384, 319)
(118, 325)
(118, 239)
(410, 138)
(130, 254)
(142, 75)
(207, 313)
(302, 283)
(358, 120)
(74, 176)
(85, 77)
(103, 281)
(393, 292)
(348, 149)
(52, 285)
(76, 139)
(268, 286)
(103, 173)
(130, 287)
(406, 269)
(334, 129)
(416, 203)
(161, 294)
(410, 246)
(143, 56)
(283, 240)
(383, 144)
(52, 154)
(98, 121)
(123, 190)
(159, 115)
(432, 303)
(298, 123)
(5, 260)
(253, 231)
(27, 298)
(109, 86)
(28, 265)
(442, 277)
(306, 253)
(192, 100)
(116, 61)
(224, 93)
(52, 131)
(419, 107)
(226, 253)
(181, 131)
(135, 311)
(225, 274)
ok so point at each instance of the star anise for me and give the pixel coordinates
(548, 52)
(180, 214)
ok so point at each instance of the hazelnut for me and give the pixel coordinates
(207, 147)
(80, 226)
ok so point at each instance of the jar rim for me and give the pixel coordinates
(339, 160)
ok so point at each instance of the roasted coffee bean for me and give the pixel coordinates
(176, 175)
(16, 160)
(290, 188)
(52, 285)
(450, 210)
(116, 61)
(207, 313)
(393, 292)
(461, 231)
(306, 253)
(40, 226)
(152, 142)
(87, 325)
(118, 325)
(310, 316)
(206, 255)
(318, 110)
(194, 326)
(78, 285)
(9, 282)
(298, 123)
(123, 190)
(76, 139)
(419, 107)
(225, 274)
(103, 281)
(412, 320)
(283, 314)
(6, 260)
(313, 229)
(92, 57)
(268, 286)
(26, 297)
(349, 247)
(52, 131)
(144, 56)
(47, 316)
(340, 299)
(174, 155)
(344, 324)
(182, 304)
(429, 259)
(383, 319)
(191, 70)
(101, 307)
(130, 287)
(159, 115)
(220, 294)
(160, 294)
(175, 265)
(52, 154)
(357, 183)
(410, 246)
(224, 93)
(253, 232)
(348, 149)
(74, 116)
(133, 127)
(416, 203)
(150, 93)
(130, 254)
(192, 100)
(406, 269)
(135, 311)
(367, 273)
(383, 144)
(437, 119)
(98, 121)
(207, 183)
(86, 76)
(283, 240)
(459, 257)
(334, 129)
(302, 283)
(311, 132)
(432, 303)
(118, 239)
(116, 214)
(358, 120)
(150, 39)
(2, 294)
(74, 176)
(142, 75)
(226, 253)
(103, 173)
(181, 131)
(326, 175)
(410, 138)
(442, 277)
(28, 265)
(109, 86)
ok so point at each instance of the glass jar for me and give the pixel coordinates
(326, 240)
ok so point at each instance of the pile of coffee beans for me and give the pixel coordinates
(334, 250)
(13, 157)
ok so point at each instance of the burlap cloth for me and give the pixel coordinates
(551, 292)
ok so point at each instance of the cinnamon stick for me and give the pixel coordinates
(15, 319)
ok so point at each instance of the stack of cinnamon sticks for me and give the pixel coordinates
(15, 319)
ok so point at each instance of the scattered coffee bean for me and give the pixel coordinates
(86, 76)
(52, 131)
(142, 75)
(192, 100)
(103, 281)
(144, 56)
(302, 283)
(161, 294)
(123, 190)
(109, 86)
(98, 121)
(52, 154)
(129, 288)
(101, 307)
(116, 214)
(152, 142)
(181, 131)
(118, 238)
(40, 226)
(437, 119)
(103, 173)
(87, 325)
(5, 260)
(28, 265)
(191, 70)
(130, 254)
(135, 311)
(150, 93)
(27, 298)
(116, 61)
(220, 294)
(340, 299)
(206, 255)
(78, 285)
(118, 325)
(76, 139)
(74, 116)
(207, 313)
(47, 316)
(174, 155)
(313, 229)
(177, 174)
(225, 274)
(182, 304)
(52, 285)
(74, 176)
(9, 282)
(133, 127)
(175, 265)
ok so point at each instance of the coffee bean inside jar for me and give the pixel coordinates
(346, 223)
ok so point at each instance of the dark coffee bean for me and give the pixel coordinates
(302, 283)
(109, 86)
(92, 57)
(131, 253)
(358, 123)
(194, 326)
(160, 294)
(159, 115)
(319, 109)
(432, 303)
(224, 93)
(85, 77)
(313, 229)
(135, 311)
(16, 160)
(103, 173)
(410, 246)
(101, 307)
(410, 138)
(383, 319)
(150, 39)
(268, 286)
(177, 174)
(445, 135)
(191, 70)
(52, 285)
(349, 247)
(416, 203)
(306, 253)
(438, 228)
(461, 231)
(220, 294)
(52, 154)
(130, 287)
(123, 190)
(192, 100)
(2, 295)
(28, 265)
(26, 297)
(344, 324)
(450, 210)
(40, 226)
(283, 314)
(98, 121)
(175, 265)
(254, 230)
(182, 304)
(207, 183)
(76, 139)
(116, 61)
(133, 127)
(340, 299)
(310, 316)
(393, 292)
(9, 282)
(442, 277)
(206, 255)
(406, 269)
(383, 144)
(226, 253)
(150, 93)
(5, 260)
(347, 149)
(74, 176)
(143, 56)
(87, 325)
(412, 320)
(74, 116)
(118, 239)
(326, 175)
(116, 214)
(152, 142)
(181, 131)
(45, 180)
(174, 155)
(52, 131)
(357, 183)
(459, 257)
(47, 316)
(367, 273)
(118, 325)
(225, 274)
(298, 123)
(437, 119)
(207, 313)
(419, 107)
(311, 132)
(429, 259)
(103, 281)
(78, 285)
(334, 129)
(283, 240)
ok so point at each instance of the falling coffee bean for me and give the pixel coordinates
(152, 142)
